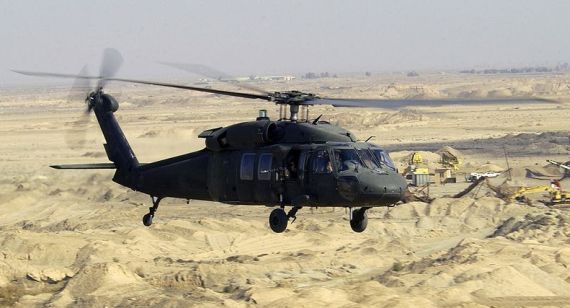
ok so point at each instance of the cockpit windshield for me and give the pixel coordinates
(383, 158)
(347, 159)
(368, 159)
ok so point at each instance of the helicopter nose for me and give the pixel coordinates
(386, 189)
(395, 189)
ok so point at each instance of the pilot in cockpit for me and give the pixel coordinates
(347, 159)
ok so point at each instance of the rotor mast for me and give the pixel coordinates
(294, 111)
(295, 99)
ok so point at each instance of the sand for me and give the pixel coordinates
(74, 238)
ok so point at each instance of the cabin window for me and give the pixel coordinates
(302, 162)
(264, 166)
(321, 162)
(247, 164)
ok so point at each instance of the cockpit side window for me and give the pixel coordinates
(347, 159)
(321, 162)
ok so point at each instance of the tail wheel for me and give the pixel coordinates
(147, 219)
(278, 220)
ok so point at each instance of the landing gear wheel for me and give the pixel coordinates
(359, 220)
(147, 219)
(278, 220)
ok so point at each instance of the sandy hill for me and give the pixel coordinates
(74, 239)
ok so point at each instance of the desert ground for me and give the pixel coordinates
(75, 238)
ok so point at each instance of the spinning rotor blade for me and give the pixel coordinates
(110, 65)
(310, 99)
(399, 103)
(44, 74)
(162, 84)
(207, 90)
(76, 135)
(81, 87)
(214, 74)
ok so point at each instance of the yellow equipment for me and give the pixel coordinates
(416, 159)
(450, 157)
(556, 195)
(417, 171)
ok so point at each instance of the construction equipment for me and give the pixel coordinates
(416, 159)
(473, 185)
(556, 195)
(450, 157)
(420, 176)
(564, 166)
(417, 170)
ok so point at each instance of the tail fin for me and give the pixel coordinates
(117, 147)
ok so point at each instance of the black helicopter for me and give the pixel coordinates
(293, 162)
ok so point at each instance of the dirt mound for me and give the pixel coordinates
(543, 172)
(98, 282)
(409, 91)
(489, 168)
(539, 143)
(492, 272)
(376, 119)
(551, 226)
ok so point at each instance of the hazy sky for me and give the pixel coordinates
(243, 37)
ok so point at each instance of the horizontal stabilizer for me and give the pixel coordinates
(86, 166)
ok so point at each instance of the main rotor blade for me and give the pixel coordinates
(214, 91)
(44, 74)
(213, 73)
(399, 103)
(110, 65)
(162, 84)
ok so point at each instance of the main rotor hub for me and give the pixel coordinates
(294, 99)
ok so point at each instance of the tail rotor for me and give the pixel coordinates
(84, 90)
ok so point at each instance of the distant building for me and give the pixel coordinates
(275, 78)
(263, 78)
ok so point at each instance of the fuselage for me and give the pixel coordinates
(294, 166)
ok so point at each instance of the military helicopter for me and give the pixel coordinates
(290, 162)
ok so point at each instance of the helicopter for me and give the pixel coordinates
(290, 162)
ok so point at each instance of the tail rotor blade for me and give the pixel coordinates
(75, 135)
(80, 88)
(112, 61)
